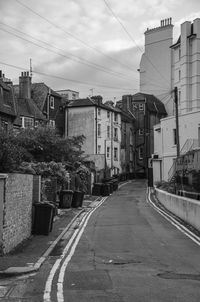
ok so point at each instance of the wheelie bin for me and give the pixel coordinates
(77, 199)
(43, 218)
(65, 199)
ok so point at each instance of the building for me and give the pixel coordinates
(101, 125)
(68, 94)
(50, 104)
(127, 138)
(28, 114)
(8, 112)
(185, 69)
(147, 111)
(155, 65)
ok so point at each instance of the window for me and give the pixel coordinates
(141, 155)
(115, 117)
(108, 114)
(115, 134)
(108, 131)
(115, 154)
(99, 149)
(99, 130)
(108, 152)
(141, 107)
(51, 102)
(141, 131)
(52, 123)
(73, 96)
(27, 122)
(99, 111)
(36, 123)
(174, 137)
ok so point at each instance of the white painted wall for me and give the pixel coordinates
(189, 124)
(155, 64)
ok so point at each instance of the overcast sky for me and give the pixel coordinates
(82, 41)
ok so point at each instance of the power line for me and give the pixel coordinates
(69, 80)
(73, 36)
(91, 65)
(131, 38)
(69, 54)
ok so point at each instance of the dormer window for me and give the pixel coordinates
(51, 102)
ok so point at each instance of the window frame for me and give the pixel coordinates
(52, 102)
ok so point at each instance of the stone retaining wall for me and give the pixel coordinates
(185, 208)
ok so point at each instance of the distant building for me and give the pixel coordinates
(101, 125)
(155, 65)
(147, 111)
(68, 94)
(127, 137)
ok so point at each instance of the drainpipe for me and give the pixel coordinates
(96, 129)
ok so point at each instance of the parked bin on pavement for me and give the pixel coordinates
(65, 199)
(105, 189)
(110, 183)
(77, 200)
(43, 218)
(97, 189)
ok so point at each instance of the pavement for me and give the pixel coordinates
(30, 255)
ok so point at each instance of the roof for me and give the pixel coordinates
(7, 100)
(26, 107)
(153, 104)
(89, 103)
(177, 43)
(39, 93)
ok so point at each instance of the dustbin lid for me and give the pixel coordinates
(44, 204)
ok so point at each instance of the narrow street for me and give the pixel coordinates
(127, 252)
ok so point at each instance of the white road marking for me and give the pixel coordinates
(48, 285)
(174, 222)
(60, 295)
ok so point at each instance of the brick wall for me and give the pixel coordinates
(17, 209)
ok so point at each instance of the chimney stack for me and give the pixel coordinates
(25, 85)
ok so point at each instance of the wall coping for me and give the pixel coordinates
(3, 176)
(179, 197)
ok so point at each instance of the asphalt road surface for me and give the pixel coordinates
(123, 251)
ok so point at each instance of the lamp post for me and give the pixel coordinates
(177, 121)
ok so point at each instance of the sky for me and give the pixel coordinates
(90, 46)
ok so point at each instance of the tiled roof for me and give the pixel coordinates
(89, 102)
(7, 100)
(153, 104)
(26, 107)
(39, 92)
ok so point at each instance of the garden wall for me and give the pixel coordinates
(185, 208)
(16, 191)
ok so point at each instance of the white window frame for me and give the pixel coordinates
(52, 102)
(115, 117)
(28, 120)
(108, 114)
(141, 107)
(141, 131)
(99, 111)
(52, 124)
